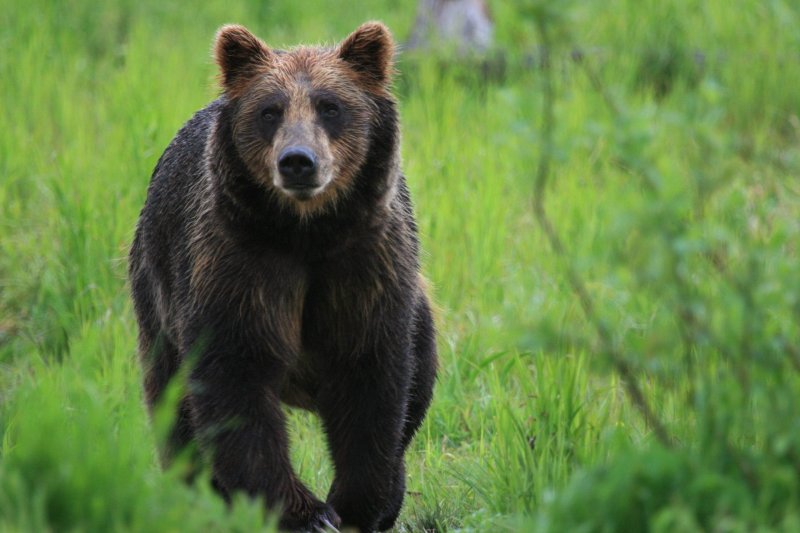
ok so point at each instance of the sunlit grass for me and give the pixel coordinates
(91, 95)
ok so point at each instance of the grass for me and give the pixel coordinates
(673, 185)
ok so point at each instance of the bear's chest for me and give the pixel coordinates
(339, 317)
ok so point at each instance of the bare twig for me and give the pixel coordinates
(616, 357)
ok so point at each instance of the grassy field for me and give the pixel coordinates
(670, 143)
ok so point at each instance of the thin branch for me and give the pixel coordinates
(616, 357)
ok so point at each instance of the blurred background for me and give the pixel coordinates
(609, 207)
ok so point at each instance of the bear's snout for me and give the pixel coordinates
(298, 168)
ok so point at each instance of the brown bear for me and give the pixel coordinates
(276, 257)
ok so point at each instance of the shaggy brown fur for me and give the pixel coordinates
(278, 244)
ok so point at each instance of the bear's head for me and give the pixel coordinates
(303, 120)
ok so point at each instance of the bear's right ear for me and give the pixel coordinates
(239, 55)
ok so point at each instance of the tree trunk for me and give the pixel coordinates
(463, 25)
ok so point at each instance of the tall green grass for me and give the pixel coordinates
(672, 185)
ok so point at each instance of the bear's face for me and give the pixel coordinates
(302, 117)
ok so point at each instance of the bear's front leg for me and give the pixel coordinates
(240, 426)
(363, 409)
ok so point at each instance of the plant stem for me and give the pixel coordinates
(615, 356)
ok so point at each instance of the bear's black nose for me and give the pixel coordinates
(298, 167)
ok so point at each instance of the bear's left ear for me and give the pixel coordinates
(370, 52)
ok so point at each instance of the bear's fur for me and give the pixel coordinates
(279, 277)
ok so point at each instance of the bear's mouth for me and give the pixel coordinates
(303, 191)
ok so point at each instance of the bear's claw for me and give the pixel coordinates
(327, 527)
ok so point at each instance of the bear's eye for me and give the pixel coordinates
(330, 110)
(270, 114)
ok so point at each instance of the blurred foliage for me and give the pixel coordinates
(710, 253)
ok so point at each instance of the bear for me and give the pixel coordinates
(276, 261)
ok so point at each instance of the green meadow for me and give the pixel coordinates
(609, 206)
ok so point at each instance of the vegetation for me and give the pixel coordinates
(610, 219)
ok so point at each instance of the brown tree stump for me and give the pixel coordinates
(462, 25)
